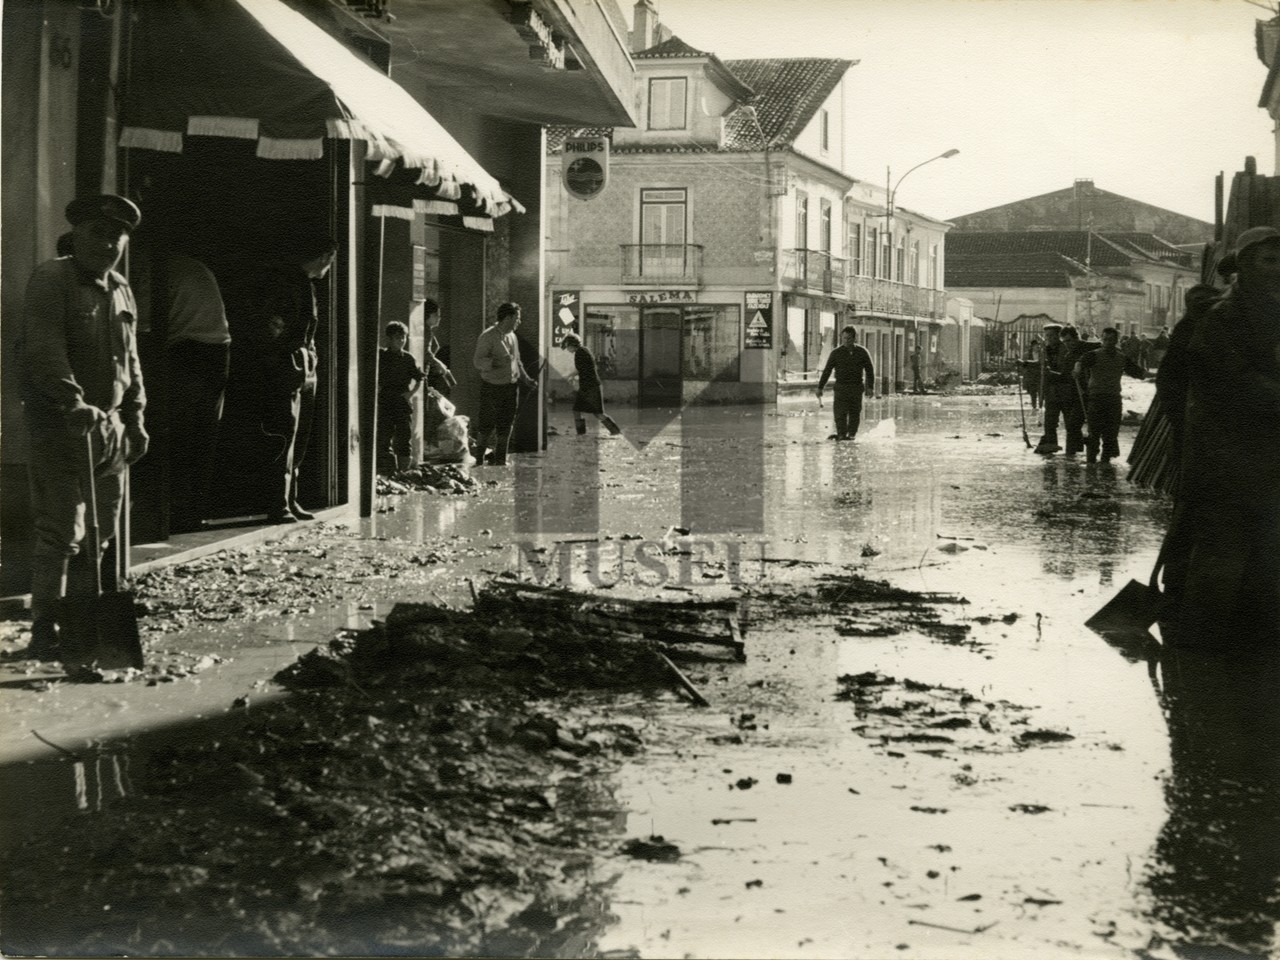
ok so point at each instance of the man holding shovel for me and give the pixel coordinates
(80, 378)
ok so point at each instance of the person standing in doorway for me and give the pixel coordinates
(1099, 371)
(198, 353)
(399, 378)
(497, 359)
(439, 377)
(290, 303)
(851, 364)
(590, 395)
(81, 378)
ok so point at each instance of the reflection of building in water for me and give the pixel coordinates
(1215, 881)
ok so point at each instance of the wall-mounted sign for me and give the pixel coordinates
(660, 296)
(565, 307)
(584, 166)
(759, 313)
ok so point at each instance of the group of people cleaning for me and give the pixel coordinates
(1078, 382)
(1210, 440)
(503, 377)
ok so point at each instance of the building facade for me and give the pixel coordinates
(286, 118)
(729, 243)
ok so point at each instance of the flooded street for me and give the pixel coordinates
(883, 841)
(950, 766)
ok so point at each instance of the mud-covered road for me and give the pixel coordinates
(955, 767)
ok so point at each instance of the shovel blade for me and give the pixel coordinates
(1124, 620)
(100, 632)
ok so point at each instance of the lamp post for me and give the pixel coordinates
(890, 198)
(892, 193)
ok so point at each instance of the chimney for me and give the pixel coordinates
(1266, 36)
(644, 30)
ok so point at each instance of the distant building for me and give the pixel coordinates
(1133, 281)
(1083, 206)
(730, 243)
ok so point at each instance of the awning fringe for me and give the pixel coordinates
(245, 128)
(279, 148)
(147, 138)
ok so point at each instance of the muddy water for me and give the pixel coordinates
(980, 845)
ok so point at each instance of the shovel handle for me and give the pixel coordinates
(92, 536)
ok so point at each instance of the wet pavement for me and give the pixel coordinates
(995, 783)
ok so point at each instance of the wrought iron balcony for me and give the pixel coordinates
(815, 271)
(661, 263)
(877, 295)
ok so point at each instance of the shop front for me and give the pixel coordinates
(669, 348)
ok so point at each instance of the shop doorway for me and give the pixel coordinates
(236, 213)
(661, 382)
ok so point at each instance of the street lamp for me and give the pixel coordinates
(893, 193)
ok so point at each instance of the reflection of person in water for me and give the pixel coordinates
(1216, 873)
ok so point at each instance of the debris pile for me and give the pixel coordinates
(441, 478)
(934, 719)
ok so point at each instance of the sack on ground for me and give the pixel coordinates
(449, 443)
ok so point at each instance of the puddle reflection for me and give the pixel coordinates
(1215, 878)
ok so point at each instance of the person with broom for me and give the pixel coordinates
(1222, 551)
(81, 377)
(1099, 371)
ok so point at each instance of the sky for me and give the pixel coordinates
(1150, 99)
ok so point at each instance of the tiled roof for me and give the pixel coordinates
(1031, 269)
(1069, 243)
(675, 48)
(671, 47)
(1149, 245)
(788, 94)
(556, 136)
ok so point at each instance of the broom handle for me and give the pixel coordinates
(91, 533)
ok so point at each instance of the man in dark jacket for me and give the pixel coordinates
(1222, 572)
(851, 363)
(1051, 380)
(83, 401)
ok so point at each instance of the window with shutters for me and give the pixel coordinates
(802, 220)
(667, 103)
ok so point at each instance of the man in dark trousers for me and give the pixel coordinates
(497, 360)
(1099, 371)
(80, 378)
(1050, 387)
(399, 378)
(851, 364)
(1070, 396)
(289, 304)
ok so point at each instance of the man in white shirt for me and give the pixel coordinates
(497, 358)
(198, 350)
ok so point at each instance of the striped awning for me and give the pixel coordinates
(259, 70)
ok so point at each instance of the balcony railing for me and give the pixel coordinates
(889, 296)
(661, 263)
(813, 270)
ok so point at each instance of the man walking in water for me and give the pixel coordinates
(851, 363)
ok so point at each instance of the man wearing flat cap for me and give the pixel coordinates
(1050, 387)
(80, 378)
(1222, 551)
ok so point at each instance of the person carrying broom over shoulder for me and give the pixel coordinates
(590, 396)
